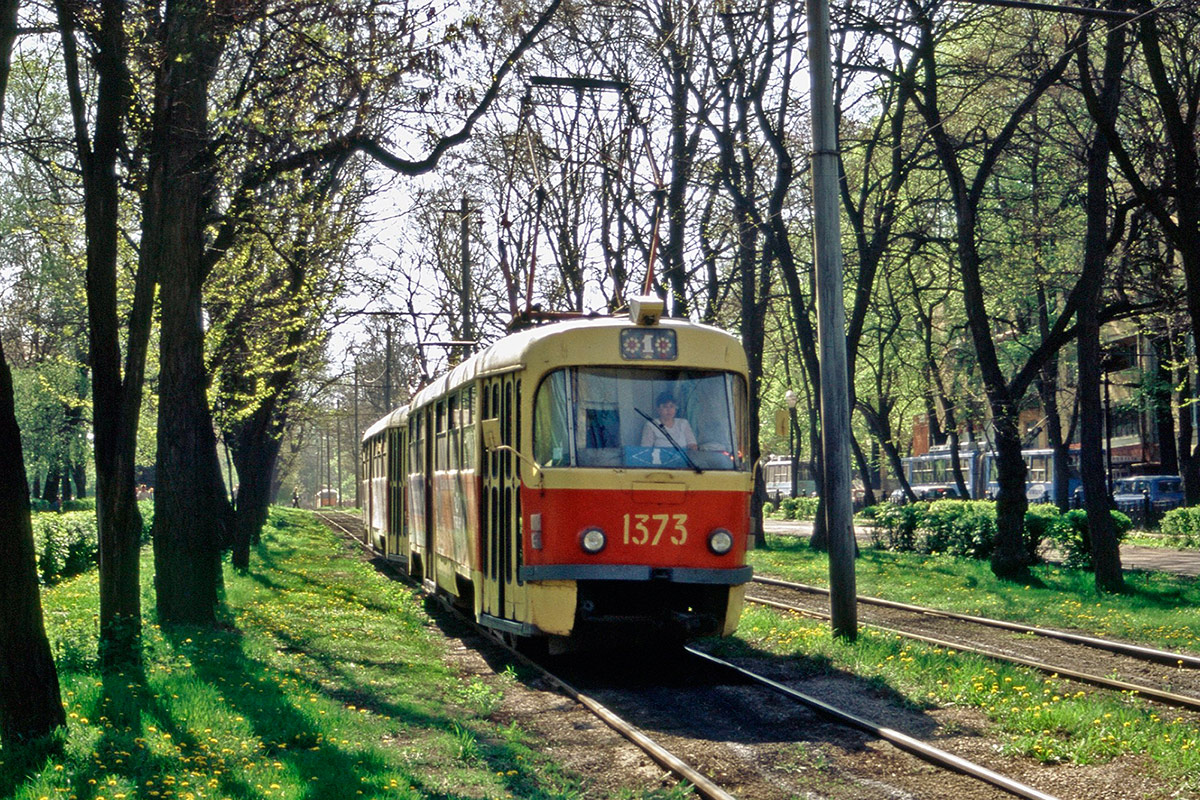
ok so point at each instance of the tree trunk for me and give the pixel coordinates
(1168, 455)
(1010, 558)
(1106, 554)
(50, 487)
(1189, 457)
(79, 475)
(118, 521)
(190, 507)
(864, 470)
(30, 700)
(254, 459)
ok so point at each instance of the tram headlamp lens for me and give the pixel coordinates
(720, 541)
(592, 540)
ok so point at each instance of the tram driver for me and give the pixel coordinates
(667, 430)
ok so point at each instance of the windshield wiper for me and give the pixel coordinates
(682, 451)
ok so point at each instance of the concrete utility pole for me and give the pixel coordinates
(387, 371)
(464, 211)
(831, 329)
(357, 443)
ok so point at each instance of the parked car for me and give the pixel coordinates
(928, 491)
(1164, 492)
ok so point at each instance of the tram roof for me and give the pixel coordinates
(393, 420)
(546, 344)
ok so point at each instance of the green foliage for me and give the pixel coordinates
(80, 504)
(958, 527)
(968, 528)
(1070, 534)
(1182, 526)
(896, 525)
(66, 544)
(801, 508)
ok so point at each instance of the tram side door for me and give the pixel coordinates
(500, 503)
(397, 468)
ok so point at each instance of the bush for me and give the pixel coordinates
(896, 525)
(958, 527)
(1070, 533)
(1040, 520)
(80, 504)
(66, 544)
(768, 508)
(806, 507)
(1182, 526)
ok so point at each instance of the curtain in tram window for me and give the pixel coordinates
(551, 442)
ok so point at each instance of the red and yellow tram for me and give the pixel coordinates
(539, 484)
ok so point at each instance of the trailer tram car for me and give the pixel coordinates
(525, 485)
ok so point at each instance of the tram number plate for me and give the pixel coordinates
(639, 344)
(655, 529)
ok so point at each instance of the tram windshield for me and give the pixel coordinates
(653, 418)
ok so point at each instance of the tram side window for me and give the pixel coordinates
(467, 416)
(551, 440)
(441, 448)
(454, 424)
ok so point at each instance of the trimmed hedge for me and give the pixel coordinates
(78, 504)
(795, 508)
(968, 528)
(1182, 525)
(67, 544)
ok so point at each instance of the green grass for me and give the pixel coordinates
(325, 680)
(1156, 609)
(1034, 716)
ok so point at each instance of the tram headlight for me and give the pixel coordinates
(720, 541)
(592, 540)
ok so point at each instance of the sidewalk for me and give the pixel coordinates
(1161, 559)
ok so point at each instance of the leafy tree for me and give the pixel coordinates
(969, 149)
(116, 386)
(267, 307)
(1159, 155)
(30, 699)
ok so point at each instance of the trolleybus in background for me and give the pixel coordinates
(931, 475)
(529, 484)
(777, 474)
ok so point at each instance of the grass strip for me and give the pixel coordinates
(1047, 719)
(324, 680)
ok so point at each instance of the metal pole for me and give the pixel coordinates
(357, 443)
(337, 422)
(792, 447)
(1108, 434)
(465, 231)
(831, 329)
(387, 371)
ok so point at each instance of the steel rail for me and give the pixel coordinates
(665, 758)
(903, 741)
(1167, 698)
(1137, 651)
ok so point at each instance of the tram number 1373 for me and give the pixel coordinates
(649, 528)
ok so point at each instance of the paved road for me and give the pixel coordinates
(1182, 562)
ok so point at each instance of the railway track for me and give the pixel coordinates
(1162, 676)
(725, 759)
